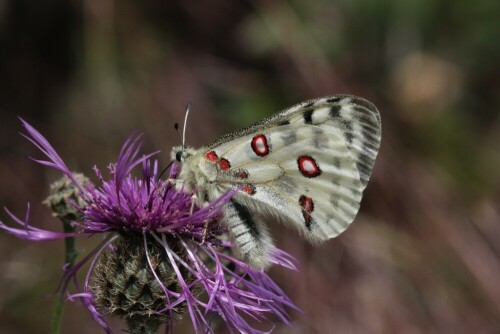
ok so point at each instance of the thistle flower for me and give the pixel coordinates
(162, 256)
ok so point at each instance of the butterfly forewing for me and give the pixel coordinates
(357, 119)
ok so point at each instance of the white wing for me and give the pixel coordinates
(306, 165)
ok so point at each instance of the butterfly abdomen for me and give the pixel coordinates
(249, 233)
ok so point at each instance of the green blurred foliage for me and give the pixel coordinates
(423, 255)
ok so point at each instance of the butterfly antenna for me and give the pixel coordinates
(182, 137)
(188, 107)
(176, 127)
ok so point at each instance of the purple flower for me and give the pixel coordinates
(162, 256)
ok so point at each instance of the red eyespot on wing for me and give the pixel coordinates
(211, 156)
(241, 174)
(308, 166)
(248, 188)
(307, 205)
(224, 164)
(260, 145)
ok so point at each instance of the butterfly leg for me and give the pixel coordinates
(205, 227)
(194, 200)
(249, 234)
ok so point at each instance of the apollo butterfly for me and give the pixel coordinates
(306, 166)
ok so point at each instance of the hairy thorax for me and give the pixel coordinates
(197, 174)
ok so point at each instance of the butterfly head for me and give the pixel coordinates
(180, 154)
(190, 174)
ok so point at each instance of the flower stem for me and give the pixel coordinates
(70, 256)
(66, 203)
(69, 242)
(55, 324)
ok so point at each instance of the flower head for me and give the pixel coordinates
(163, 256)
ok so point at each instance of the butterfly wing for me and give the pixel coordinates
(306, 165)
(356, 118)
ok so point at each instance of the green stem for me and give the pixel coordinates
(70, 256)
(55, 324)
(71, 252)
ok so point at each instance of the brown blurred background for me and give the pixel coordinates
(422, 256)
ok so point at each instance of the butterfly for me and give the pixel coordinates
(305, 166)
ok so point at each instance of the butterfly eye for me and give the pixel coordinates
(178, 156)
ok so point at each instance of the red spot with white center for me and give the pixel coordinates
(224, 164)
(307, 205)
(260, 145)
(248, 188)
(308, 166)
(211, 156)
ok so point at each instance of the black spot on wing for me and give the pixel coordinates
(334, 100)
(308, 116)
(335, 111)
(347, 127)
(246, 217)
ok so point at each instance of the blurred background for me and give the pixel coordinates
(422, 256)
